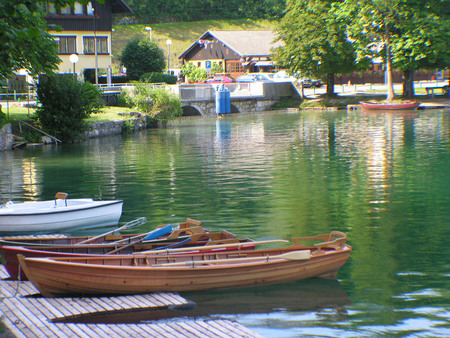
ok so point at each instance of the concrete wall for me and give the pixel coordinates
(6, 137)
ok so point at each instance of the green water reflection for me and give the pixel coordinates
(382, 178)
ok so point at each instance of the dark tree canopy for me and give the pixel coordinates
(148, 11)
(24, 38)
(141, 56)
(315, 43)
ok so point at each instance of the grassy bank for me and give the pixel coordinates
(182, 34)
(107, 114)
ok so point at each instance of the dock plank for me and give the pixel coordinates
(29, 317)
(185, 331)
(198, 331)
(227, 330)
(39, 316)
(205, 332)
(162, 332)
(11, 321)
(21, 320)
(239, 329)
(208, 326)
(3, 272)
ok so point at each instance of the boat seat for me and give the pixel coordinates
(61, 196)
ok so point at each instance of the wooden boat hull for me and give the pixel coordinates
(11, 262)
(48, 217)
(145, 273)
(389, 106)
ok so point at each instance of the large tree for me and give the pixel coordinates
(141, 56)
(421, 40)
(413, 34)
(24, 38)
(315, 44)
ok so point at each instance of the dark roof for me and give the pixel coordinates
(244, 43)
(119, 6)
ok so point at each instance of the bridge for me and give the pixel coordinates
(200, 99)
(245, 97)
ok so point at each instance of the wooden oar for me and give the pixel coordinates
(131, 224)
(209, 247)
(292, 256)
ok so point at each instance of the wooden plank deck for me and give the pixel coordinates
(28, 315)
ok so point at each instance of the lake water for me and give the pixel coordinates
(383, 178)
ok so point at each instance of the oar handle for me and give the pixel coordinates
(209, 247)
(130, 224)
(292, 256)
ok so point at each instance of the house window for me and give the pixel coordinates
(88, 45)
(234, 67)
(79, 8)
(51, 9)
(66, 10)
(90, 9)
(199, 64)
(67, 45)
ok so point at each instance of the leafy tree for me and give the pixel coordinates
(146, 11)
(141, 56)
(421, 40)
(412, 33)
(187, 69)
(24, 38)
(315, 44)
(216, 68)
(65, 103)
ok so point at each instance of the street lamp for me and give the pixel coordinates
(168, 42)
(95, 47)
(149, 30)
(74, 59)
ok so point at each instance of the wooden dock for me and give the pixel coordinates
(27, 315)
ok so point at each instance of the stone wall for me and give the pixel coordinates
(118, 127)
(6, 137)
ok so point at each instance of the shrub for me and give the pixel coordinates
(64, 105)
(141, 97)
(142, 56)
(165, 105)
(199, 75)
(187, 70)
(159, 78)
(3, 118)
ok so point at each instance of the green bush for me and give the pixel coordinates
(141, 97)
(199, 75)
(162, 105)
(64, 105)
(165, 105)
(159, 78)
(3, 119)
(142, 56)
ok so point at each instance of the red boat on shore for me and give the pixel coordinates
(389, 105)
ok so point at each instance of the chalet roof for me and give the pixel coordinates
(119, 6)
(244, 43)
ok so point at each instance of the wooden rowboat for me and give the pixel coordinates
(389, 106)
(181, 237)
(131, 274)
(60, 214)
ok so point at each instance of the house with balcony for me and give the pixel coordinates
(86, 32)
(237, 52)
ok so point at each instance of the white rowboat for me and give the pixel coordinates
(57, 215)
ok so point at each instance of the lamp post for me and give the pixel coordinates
(149, 30)
(168, 42)
(95, 47)
(74, 59)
